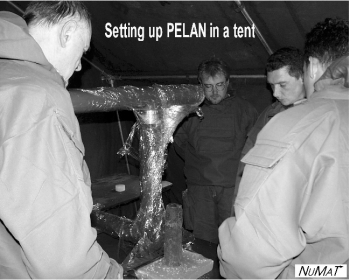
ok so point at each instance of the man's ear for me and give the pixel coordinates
(317, 68)
(313, 67)
(67, 31)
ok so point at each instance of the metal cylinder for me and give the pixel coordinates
(173, 235)
(158, 109)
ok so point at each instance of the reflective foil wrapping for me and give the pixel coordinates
(173, 235)
(130, 97)
(127, 148)
(158, 109)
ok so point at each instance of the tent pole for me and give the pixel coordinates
(242, 9)
(121, 131)
(185, 77)
(16, 7)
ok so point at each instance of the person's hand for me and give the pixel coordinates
(115, 271)
(339, 69)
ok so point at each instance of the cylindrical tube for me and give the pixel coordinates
(104, 99)
(159, 109)
(173, 235)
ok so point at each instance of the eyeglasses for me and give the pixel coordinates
(219, 86)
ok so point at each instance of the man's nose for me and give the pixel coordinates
(276, 92)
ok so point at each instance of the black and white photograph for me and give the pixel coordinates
(174, 139)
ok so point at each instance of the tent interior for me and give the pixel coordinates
(141, 43)
(137, 58)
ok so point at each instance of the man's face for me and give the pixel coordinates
(79, 44)
(286, 89)
(215, 88)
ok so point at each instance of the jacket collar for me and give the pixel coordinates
(17, 44)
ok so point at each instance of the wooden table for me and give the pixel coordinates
(105, 196)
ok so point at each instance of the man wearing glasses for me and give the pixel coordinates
(211, 148)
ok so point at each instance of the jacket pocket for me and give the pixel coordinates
(266, 154)
(260, 162)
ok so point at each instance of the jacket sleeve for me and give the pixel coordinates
(259, 123)
(251, 120)
(289, 209)
(247, 146)
(45, 202)
(252, 116)
(180, 138)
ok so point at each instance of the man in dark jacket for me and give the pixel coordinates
(211, 148)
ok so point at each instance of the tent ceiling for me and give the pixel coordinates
(282, 23)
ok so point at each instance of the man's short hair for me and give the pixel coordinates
(287, 56)
(212, 67)
(327, 41)
(52, 12)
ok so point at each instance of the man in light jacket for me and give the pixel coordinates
(284, 70)
(45, 201)
(293, 203)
